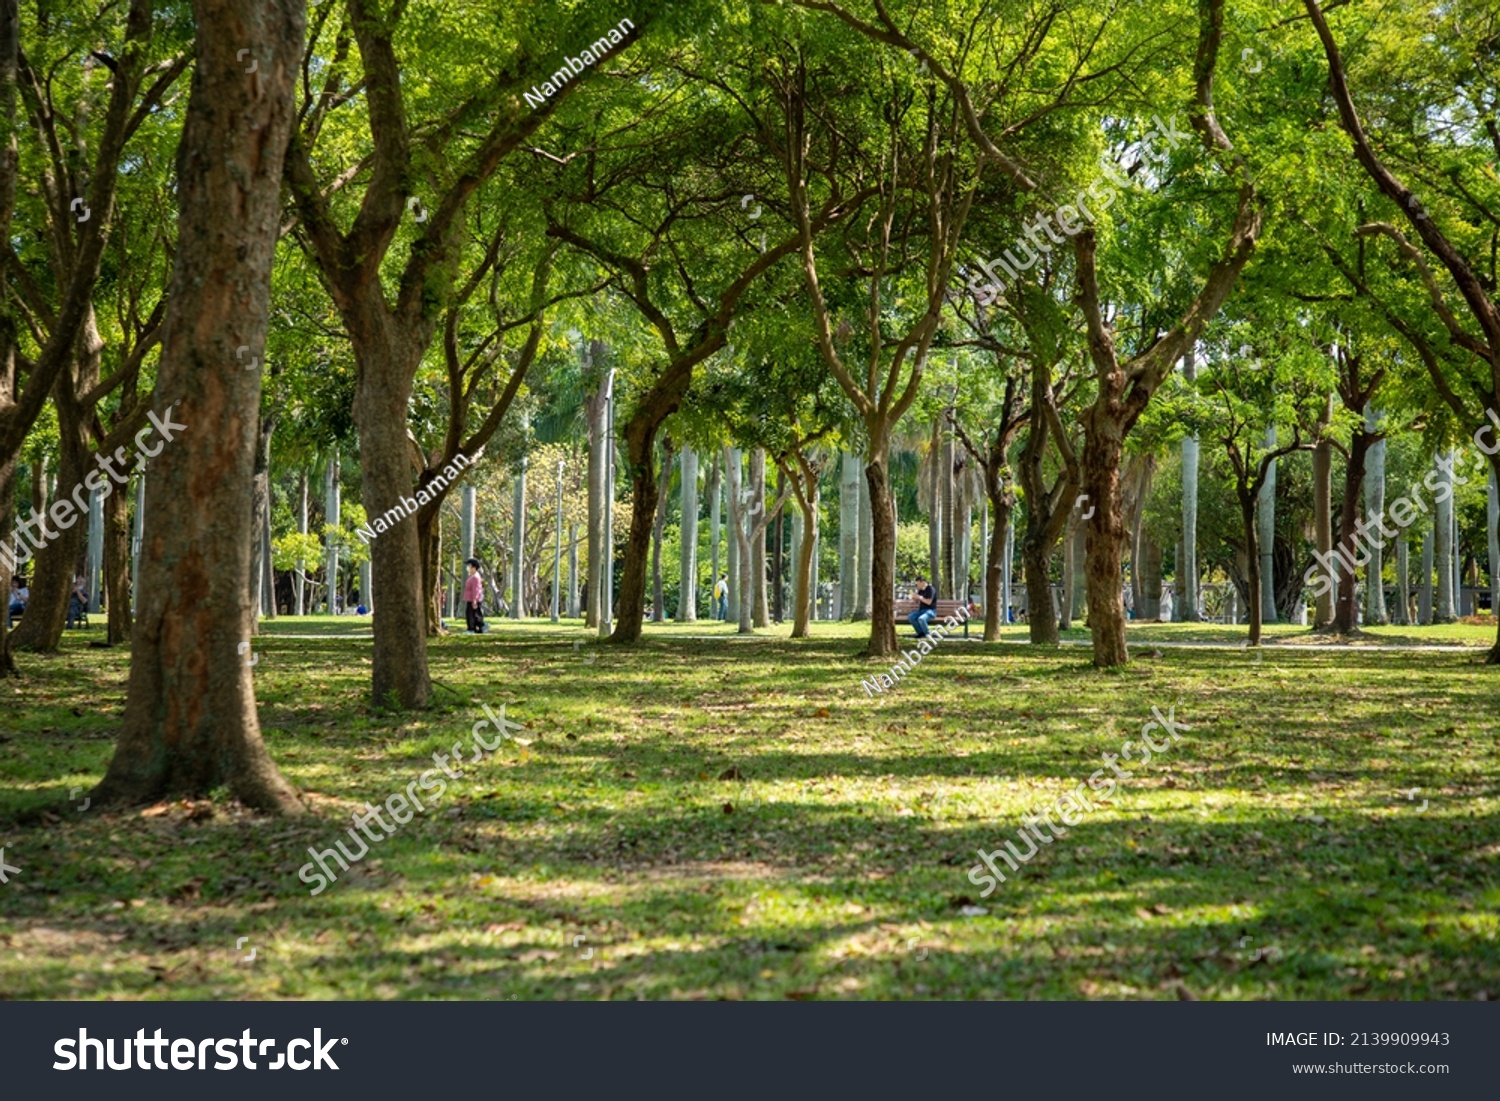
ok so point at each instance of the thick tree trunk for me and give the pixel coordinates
(883, 554)
(640, 444)
(1102, 450)
(387, 359)
(190, 723)
(687, 589)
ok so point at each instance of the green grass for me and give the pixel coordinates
(1274, 853)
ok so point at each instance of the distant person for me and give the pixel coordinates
(474, 599)
(19, 595)
(78, 603)
(721, 596)
(926, 610)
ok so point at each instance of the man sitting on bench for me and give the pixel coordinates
(926, 597)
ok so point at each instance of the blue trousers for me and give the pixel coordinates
(920, 619)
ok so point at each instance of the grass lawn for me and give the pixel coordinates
(704, 816)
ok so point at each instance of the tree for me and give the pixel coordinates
(190, 723)
(1125, 388)
(1456, 378)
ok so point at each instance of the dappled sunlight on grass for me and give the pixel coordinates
(736, 818)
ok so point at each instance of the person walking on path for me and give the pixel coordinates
(474, 599)
(721, 596)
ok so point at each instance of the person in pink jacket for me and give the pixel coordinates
(474, 599)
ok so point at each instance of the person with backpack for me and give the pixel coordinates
(474, 599)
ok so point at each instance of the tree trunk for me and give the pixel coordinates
(260, 519)
(715, 492)
(849, 483)
(1264, 591)
(573, 608)
(386, 360)
(1186, 606)
(1255, 605)
(732, 474)
(1424, 587)
(1080, 595)
(1354, 476)
(806, 546)
(117, 567)
(687, 590)
(1374, 487)
(1443, 546)
(741, 604)
(761, 607)
(596, 406)
(57, 562)
(332, 519)
(883, 554)
(864, 553)
(1492, 538)
(1070, 566)
(994, 566)
(1150, 609)
(658, 530)
(299, 573)
(644, 496)
(518, 607)
(935, 507)
(1103, 446)
(1403, 583)
(1322, 467)
(7, 529)
(430, 540)
(190, 723)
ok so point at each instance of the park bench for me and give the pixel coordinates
(945, 608)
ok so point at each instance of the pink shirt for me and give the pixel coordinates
(473, 589)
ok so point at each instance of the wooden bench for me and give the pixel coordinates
(945, 608)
